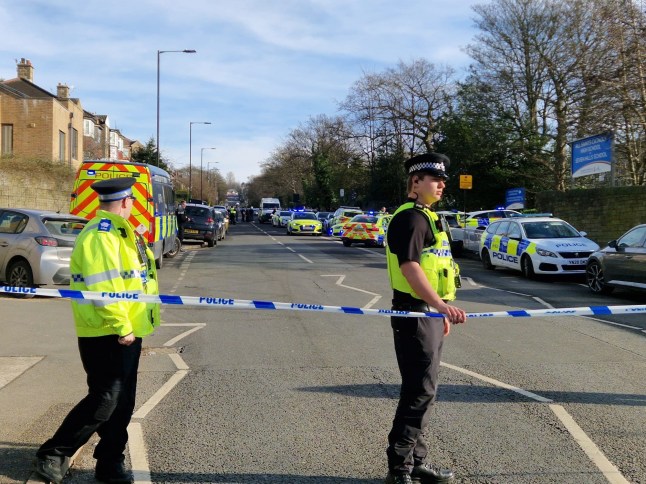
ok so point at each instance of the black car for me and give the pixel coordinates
(621, 264)
(201, 224)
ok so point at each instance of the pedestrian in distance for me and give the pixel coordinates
(424, 278)
(108, 256)
(182, 218)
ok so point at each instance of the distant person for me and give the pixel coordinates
(108, 256)
(180, 213)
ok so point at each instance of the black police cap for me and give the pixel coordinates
(434, 164)
(114, 188)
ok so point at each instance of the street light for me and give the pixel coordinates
(190, 154)
(201, 157)
(159, 52)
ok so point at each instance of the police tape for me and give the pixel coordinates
(229, 303)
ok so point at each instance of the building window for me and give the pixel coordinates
(7, 139)
(88, 127)
(75, 142)
(61, 146)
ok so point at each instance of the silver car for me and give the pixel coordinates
(36, 246)
(621, 264)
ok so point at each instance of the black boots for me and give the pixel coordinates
(429, 474)
(113, 472)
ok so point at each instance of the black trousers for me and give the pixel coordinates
(111, 371)
(418, 346)
(180, 232)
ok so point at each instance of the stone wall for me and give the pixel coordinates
(39, 188)
(604, 213)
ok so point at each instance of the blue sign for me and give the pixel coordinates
(515, 198)
(592, 155)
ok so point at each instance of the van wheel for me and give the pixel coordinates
(159, 262)
(177, 245)
(527, 267)
(486, 260)
(20, 274)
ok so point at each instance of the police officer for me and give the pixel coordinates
(109, 256)
(423, 277)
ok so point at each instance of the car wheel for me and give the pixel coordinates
(486, 260)
(177, 245)
(595, 278)
(347, 243)
(527, 267)
(19, 274)
(210, 242)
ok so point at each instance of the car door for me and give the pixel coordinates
(11, 225)
(627, 263)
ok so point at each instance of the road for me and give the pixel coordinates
(241, 396)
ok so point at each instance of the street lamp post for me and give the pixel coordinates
(201, 158)
(190, 154)
(159, 52)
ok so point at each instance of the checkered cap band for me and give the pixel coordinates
(426, 166)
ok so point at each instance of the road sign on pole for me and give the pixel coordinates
(466, 182)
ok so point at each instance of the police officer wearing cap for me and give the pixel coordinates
(424, 278)
(109, 256)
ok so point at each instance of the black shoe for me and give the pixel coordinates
(51, 468)
(112, 472)
(398, 478)
(429, 474)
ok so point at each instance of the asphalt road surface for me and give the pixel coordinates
(257, 396)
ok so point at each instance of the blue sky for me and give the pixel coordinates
(261, 67)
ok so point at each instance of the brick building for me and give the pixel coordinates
(38, 124)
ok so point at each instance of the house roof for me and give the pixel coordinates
(27, 89)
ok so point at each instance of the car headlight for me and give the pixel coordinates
(545, 253)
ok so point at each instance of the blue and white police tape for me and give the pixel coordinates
(229, 303)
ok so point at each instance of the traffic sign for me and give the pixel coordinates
(466, 182)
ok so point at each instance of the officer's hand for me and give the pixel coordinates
(453, 314)
(127, 340)
(447, 327)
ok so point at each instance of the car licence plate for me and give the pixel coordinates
(190, 231)
(307, 227)
(579, 262)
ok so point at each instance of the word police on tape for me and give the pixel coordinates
(229, 303)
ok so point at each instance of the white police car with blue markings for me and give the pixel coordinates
(535, 245)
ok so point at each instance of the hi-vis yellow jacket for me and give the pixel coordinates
(107, 258)
(436, 261)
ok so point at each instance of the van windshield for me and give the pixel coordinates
(270, 206)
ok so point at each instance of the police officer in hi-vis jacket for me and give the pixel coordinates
(423, 277)
(108, 256)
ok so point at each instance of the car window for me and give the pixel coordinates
(285, 213)
(304, 216)
(549, 230)
(502, 228)
(12, 222)
(514, 231)
(197, 211)
(493, 227)
(64, 227)
(634, 238)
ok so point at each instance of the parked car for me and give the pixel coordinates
(535, 245)
(621, 264)
(324, 218)
(201, 224)
(221, 225)
(304, 223)
(367, 229)
(343, 214)
(36, 246)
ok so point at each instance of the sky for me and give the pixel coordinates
(262, 67)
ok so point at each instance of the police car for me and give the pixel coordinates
(535, 245)
(304, 223)
(366, 228)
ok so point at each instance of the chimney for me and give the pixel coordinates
(62, 91)
(26, 70)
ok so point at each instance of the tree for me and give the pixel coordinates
(148, 154)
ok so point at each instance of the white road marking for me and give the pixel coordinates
(470, 281)
(540, 301)
(160, 394)
(289, 248)
(305, 259)
(610, 471)
(196, 326)
(339, 282)
(11, 367)
(138, 456)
